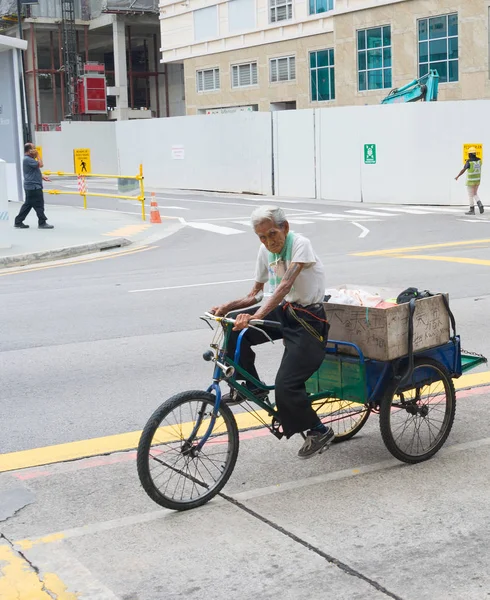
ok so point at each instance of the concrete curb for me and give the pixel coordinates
(20, 260)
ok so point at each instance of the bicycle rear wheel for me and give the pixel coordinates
(346, 418)
(173, 471)
(415, 421)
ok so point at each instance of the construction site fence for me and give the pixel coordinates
(82, 187)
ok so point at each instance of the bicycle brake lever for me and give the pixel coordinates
(207, 323)
(262, 331)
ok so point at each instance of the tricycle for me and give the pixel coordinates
(189, 447)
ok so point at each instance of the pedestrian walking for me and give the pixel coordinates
(473, 178)
(33, 187)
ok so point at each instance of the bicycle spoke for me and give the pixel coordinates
(179, 471)
(418, 416)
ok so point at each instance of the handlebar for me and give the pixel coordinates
(253, 322)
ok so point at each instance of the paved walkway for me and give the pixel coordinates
(74, 227)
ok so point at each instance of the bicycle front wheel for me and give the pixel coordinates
(173, 470)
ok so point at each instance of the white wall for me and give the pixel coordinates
(419, 151)
(58, 146)
(316, 152)
(294, 153)
(221, 152)
(337, 155)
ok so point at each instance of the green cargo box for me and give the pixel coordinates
(342, 377)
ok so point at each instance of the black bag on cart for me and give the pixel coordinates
(412, 293)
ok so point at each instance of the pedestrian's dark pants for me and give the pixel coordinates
(303, 355)
(34, 200)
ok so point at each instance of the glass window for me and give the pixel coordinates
(322, 75)
(207, 80)
(320, 6)
(244, 75)
(241, 15)
(283, 69)
(438, 47)
(374, 58)
(280, 10)
(374, 38)
(205, 23)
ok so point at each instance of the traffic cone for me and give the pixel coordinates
(154, 212)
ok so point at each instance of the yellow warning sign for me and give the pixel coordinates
(478, 148)
(81, 160)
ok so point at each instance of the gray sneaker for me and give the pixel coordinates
(316, 443)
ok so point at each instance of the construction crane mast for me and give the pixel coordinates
(70, 57)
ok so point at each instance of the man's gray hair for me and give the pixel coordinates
(268, 213)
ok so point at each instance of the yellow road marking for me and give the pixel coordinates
(18, 580)
(128, 230)
(45, 539)
(122, 442)
(453, 259)
(417, 248)
(78, 262)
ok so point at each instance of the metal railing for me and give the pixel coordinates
(82, 187)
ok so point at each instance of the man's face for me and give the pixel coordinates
(272, 236)
(31, 151)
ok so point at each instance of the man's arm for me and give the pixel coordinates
(277, 297)
(39, 160)
(254, 296)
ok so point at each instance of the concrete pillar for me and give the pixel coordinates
(31, 79)
(4, 208)
(120, 69)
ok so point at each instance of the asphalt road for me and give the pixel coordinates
(89, 350)
(92, 348)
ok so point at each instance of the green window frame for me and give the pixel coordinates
(374, 58)
(322, 75)
(438, 46)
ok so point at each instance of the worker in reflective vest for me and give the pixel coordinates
(473, 179)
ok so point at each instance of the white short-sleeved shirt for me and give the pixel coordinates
(309, 285)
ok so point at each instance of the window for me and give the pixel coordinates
(283, 69)
(374, 58)
(320, 6)
(244, 75)
(322, 75)
(205, 23)
(241, 15)
(438, 47)
(280, 10)
(207, 80)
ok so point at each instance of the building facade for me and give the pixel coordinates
(285, 54)
(120, 36)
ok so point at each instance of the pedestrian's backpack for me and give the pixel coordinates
(412, 293)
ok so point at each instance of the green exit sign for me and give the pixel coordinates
(370, 154)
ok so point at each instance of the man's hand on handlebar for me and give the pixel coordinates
(242, 321)
(220, 311)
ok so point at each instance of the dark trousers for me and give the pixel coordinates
(303, 355)
(34, 200)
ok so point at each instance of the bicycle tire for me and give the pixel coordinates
(347, 426)
(386, 415)
(147, 442)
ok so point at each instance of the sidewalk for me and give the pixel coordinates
(76, 231)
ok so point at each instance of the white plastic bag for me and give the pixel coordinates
(342, 295)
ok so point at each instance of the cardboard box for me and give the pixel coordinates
(382, 333)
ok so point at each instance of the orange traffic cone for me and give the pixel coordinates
(154, 212)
